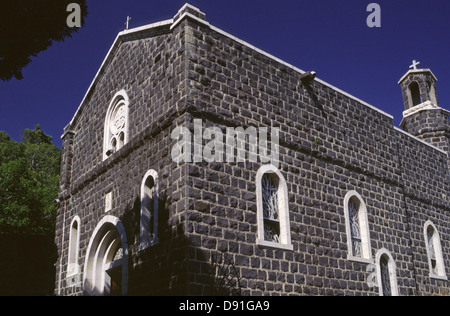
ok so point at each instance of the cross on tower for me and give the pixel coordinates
(414, 65)
(128, 21)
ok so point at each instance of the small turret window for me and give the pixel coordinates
(415, 93)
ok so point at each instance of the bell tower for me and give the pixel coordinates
(423, 117)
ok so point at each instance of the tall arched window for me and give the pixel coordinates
(386, 274)
(116, 132)
(272, 208)
(357, 228)
(434, 251)
(149, 210)
(414, 92)
(74, 247)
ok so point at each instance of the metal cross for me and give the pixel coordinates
(128, 21)
(415, 64)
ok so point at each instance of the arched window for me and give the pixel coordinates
(414, 93)
(116, 124)
(272, 208)
(434, 251)
(357, 228)
(386, 273)
(106, 265)
(149, 210)
(74, 247)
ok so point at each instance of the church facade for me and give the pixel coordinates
(197, 164)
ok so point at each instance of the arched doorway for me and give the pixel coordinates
(106, 266)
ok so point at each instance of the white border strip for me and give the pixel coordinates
(420, 140)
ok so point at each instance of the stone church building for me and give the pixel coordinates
(198, 164)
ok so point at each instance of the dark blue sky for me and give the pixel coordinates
(330, 37)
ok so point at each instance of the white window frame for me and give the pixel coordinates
(145, 239)
(73, 267)
(283, 203)
(119, 99)
(392, 272)
(366, 251)
(440, 266)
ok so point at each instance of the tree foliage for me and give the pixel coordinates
(28, 27)
(29, 179)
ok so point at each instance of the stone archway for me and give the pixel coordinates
(106, 266)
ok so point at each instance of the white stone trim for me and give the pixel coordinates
(285, 229)
(419, 140)
(392, 272)
(147, 27)
(270, 244)
(364, 228)
(438, 252)
(188, 5)
(427, 105)
(145, 239)
(73, 267)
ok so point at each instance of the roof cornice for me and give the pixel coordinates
(195, 14)
(417, 71)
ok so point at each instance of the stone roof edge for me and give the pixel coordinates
(110, 54)
(420, 140)
(300, 71)
(220, 31)
(173, 24)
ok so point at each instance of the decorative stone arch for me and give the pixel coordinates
(434, 251)
(283, 240)
(149, 210)
(116, 128)
(357, 228)
(74, 247)
(106, 266)
(386, 273)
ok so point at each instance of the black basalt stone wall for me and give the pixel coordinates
(330, 144)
